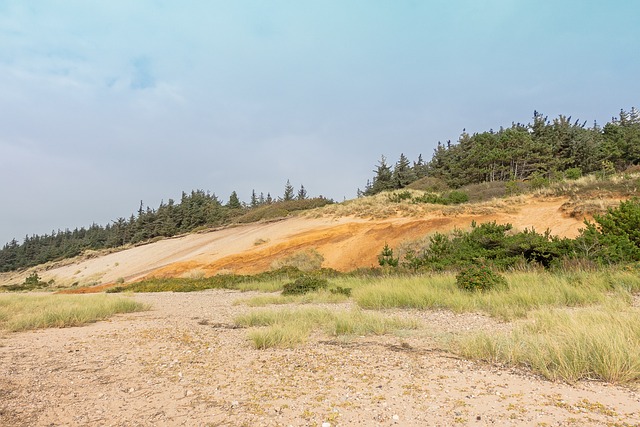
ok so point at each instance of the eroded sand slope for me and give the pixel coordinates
(346, 243)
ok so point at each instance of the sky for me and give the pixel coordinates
(104, 104)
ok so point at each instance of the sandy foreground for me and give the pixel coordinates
(184, 364)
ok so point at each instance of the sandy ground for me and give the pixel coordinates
(346, 243)
(184, 364)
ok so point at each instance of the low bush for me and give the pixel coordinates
(339, 290)
(304, 285)
(479, 277)
(386, 257)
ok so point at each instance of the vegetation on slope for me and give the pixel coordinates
(195, 211)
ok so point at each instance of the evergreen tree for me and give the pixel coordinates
(302, 193)
(254, 199)
(383, 179)
(288, 192)
(234, 201)
(403, 174)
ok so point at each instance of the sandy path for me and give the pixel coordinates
(182, 365)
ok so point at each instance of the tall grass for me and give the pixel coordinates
(527, 291)
(25, 312)
(589, 343)
(320, 297)
(286, 328)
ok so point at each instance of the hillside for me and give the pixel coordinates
(349, 236)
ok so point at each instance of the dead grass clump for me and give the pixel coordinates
(306, 260)
(586, 208)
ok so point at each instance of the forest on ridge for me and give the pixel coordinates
(539, 152)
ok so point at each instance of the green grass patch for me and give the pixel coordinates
(26, 312)
(600, 343)
(287, 328)
(526, 292)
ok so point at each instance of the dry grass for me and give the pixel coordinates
(287, 328)
(527, 291)
(320, 297)
(306, 260)
(591, 343)
(25, 312)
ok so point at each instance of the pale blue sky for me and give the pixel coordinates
(105, 103)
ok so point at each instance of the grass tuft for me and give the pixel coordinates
(287, 328)
(26, 312)
(591, 343)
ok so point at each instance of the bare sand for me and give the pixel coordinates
(184, 364)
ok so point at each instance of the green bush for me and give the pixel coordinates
(386, 257)
(341, 291)
(457, 197)
(399, 197)
(479, 277)
(304, 285)
(573, 173)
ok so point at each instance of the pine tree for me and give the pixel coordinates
(254, 199)
(288, 192)
(302, 193)
(383, 179)
(234, 201)
(403, 174)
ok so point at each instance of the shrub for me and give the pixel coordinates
(480, 278)
(386, 257)
(342, 291)
(622, 221)
(304, 285)
(430, 198)
(429, 184)
(573, 173)
(399, 197)
(457, 197)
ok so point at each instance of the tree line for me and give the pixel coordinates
(544, 149)
(194, 210)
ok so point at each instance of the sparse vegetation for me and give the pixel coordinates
(304, 260)
(287, 328)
